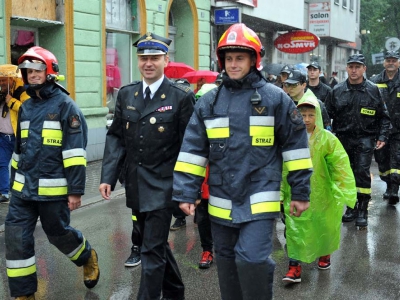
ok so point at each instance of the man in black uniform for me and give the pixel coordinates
(145, 137)
(388, 158)
(314, 83)
(361, 122)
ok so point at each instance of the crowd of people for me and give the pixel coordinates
(237, 154)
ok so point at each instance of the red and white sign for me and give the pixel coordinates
(296, 42)
(319, 18)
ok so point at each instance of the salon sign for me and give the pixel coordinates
(296, 42)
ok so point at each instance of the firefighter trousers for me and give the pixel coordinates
(360, 151)
(20, 245)
(388, 159)
(245, 269)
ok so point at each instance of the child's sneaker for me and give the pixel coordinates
(324, 262)
(294, 273)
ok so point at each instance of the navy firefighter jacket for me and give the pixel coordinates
(245, 143)
(49, 159)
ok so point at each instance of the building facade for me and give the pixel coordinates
(93, 39)
(335, 22)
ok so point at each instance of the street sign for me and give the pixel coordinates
(377, 58)
(392, 44)
(227, 16)
(296, 42)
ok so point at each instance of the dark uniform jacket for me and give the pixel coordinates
(145, 140)
(245, 145)
(390, 90)
(49, 159)
(321, 91)
(358, 110)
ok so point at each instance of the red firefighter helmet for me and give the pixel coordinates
(237, 37)
(38, 58)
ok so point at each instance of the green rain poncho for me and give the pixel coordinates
(317, 231)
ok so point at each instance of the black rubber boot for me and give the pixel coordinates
(256, 280)
(350, 214)
(394, 194)
(228, 278)
(362, 218)
(386, 194)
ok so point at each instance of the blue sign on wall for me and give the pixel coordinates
(227, 16)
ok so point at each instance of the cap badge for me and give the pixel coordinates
(148, 36)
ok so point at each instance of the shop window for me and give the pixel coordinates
(122, 15)
(22, 38)
(122, 29)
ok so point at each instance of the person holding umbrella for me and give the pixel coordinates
(12, 94)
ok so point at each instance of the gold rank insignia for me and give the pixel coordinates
(163, 96)
(161, 129)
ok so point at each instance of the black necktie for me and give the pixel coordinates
(147, 98)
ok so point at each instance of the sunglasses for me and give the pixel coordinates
(291, 85)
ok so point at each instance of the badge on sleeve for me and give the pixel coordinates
(296, 117)
(74, 121)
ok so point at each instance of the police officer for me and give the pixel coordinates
(314, 83)
(48, 174)
(361, 122)
(388, 158)
(145, 137)
(245, 129)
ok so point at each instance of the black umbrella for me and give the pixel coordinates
(274, 69)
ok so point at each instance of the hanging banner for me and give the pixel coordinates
(319, 18)
(296, 42)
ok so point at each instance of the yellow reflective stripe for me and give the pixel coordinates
(394, 171)
(215, 133)
(299, 164)
(190, 168)
(77, 251)
(24, 133)
(265, 207)
(219, 212)
(364, 190)
(134, 218)
(21, 272)
(52, 187)
(74, 161)
(381, 85)
(52, 191)
(17, 186)
(52, 133)
(19, 181)
(384, 173)
(261, 131)
(14, 164)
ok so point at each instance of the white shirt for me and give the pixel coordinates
(153, 87)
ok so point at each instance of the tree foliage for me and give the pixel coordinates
(382, 20)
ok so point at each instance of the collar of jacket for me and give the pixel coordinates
(251, 80)
(356, 87)
(48, 91)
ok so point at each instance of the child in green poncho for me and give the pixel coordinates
(316, 233)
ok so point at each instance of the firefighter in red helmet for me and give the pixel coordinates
(245, 131)
(48, 176)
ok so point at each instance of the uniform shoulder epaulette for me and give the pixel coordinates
(182, 87)
(129, 84)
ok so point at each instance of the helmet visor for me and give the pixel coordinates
(35, 64)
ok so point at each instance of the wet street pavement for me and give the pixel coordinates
(365, 267)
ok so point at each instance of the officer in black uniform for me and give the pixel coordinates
(361, 122)
(314, 83)
(388, 158)
(145, 137)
